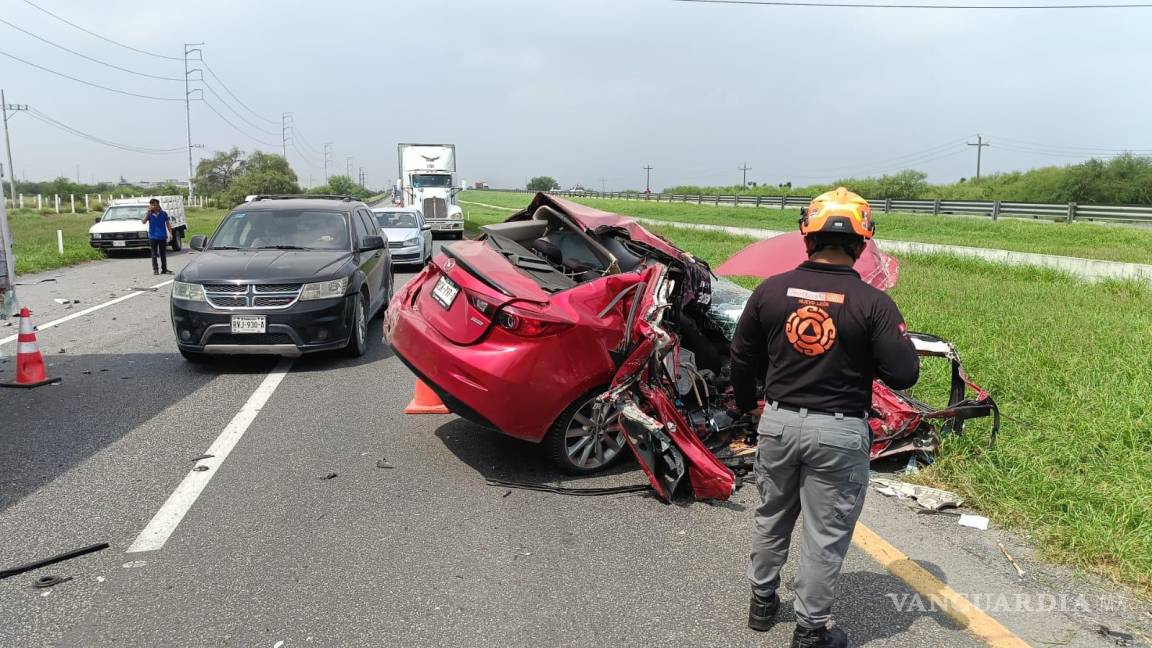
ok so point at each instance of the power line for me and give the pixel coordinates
(233, 95)
(304, 140)
(89, 83)
(1060, 147)
(237, 128)
(40, 116)
(865, 5)
(227, 105)
(103, 38)
(85, 56)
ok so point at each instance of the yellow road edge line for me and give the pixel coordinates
(945, 598)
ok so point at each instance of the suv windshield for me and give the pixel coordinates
(421, 180)
(396, 219)
(134, 212)
(283, 228)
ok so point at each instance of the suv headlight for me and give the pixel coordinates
(324, 289)
(97, 236)
(187, 291)
(456, 215)
(415, 240)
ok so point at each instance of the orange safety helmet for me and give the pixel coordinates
(838, 211)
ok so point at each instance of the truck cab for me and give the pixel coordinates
(428, 182)
(120, 226)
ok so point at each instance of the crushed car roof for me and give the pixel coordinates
(786, 251)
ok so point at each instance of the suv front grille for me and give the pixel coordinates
(251, 338)
(395, 244)
(250, 296)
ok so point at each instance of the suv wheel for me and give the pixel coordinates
(579, 447)
(358, 339)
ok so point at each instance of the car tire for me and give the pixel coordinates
(176, 241)
(358, 336)
(563, 441)
(195, 357)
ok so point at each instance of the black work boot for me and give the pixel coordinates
(762, 612)
(824, 637)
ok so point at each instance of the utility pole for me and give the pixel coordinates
(745, 168)
(348, 167)
(361, 183)
(648, 179)
(327, 151)
(979, 144)
(189, 48)
(4, 108)
(603, 184)
(284, 125)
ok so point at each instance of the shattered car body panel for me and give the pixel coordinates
(562, 302)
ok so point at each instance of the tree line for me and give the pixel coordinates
(1122, 180)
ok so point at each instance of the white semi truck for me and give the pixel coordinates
(428, 182)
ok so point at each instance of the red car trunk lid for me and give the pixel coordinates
(469, 282)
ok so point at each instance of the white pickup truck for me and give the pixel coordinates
(120, 228)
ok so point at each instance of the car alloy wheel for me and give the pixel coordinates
(588, 446)
(361, 325)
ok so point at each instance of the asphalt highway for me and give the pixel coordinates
(274, 551)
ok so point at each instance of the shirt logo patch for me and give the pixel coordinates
(811, 330)
(831, 298)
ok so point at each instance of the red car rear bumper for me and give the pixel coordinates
(516, 386)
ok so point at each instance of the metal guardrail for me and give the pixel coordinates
(994, 209)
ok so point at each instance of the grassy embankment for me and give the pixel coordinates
(34, 236)
(1087, 240)
(1068, 361)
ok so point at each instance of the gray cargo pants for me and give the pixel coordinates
(815, 464)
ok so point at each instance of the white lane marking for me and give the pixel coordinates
(181, 500)
(91, 309)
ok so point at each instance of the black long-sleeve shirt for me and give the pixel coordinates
(818, 335)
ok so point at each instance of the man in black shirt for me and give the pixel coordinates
(818, 336)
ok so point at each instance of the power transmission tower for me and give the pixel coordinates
(348, 166)
(648, 179)
(5, 107)
(189, 48)
(603, 184)
(327, 151)
(361, 183)
(979, 144)
(745, 168)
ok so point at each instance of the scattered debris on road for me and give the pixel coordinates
(933, 499)
(383, 463)
(68, 555)
(203, 456)
(1116, 637)
(506, 494)
(974, 521)
(66, 302)
(1015, 565)
(331, 475)
(200, 468)
(134, 564)
(49, 581)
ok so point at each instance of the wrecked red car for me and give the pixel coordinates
(581, 330)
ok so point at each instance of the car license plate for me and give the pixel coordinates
(118, 244)
(445, 292)
(248, 323)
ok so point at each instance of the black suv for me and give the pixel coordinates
(283, 275)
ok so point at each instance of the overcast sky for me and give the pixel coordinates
(586, 89)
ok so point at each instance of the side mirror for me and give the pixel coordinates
(97, 219)
(426, 227)
(369, 243)
(197, 242)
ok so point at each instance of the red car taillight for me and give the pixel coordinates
(529, 324)
(481, 305)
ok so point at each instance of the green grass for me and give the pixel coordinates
(34, 237)
(1094, 241)
(1070, 365)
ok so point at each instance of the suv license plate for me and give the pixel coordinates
(445, 292)
(248, 323)
(119, 244)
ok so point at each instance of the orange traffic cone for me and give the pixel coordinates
(425, 401)
(29, 363)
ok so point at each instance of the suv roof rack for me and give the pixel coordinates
(343, 197)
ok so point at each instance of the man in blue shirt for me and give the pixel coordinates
(159, 230)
